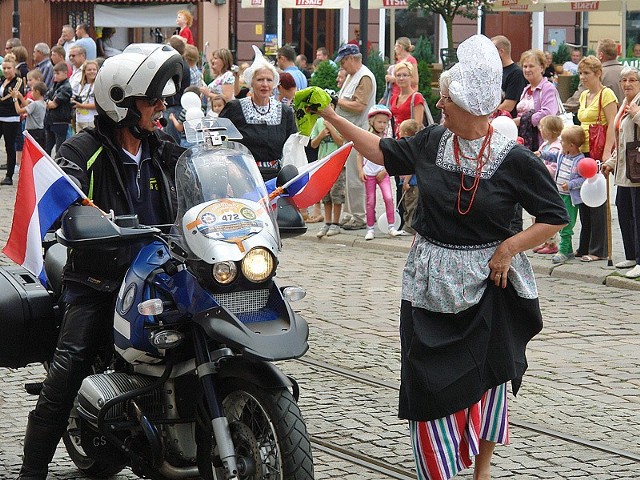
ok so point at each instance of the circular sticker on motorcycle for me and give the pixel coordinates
(226, 220)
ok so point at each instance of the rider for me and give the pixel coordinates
(127, 165)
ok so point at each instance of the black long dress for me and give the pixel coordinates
(460, 334)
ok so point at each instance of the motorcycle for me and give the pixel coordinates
(191, 391)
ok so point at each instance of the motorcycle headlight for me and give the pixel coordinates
(224, 272)
(258, 265)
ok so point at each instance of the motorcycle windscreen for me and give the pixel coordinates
(222, 203)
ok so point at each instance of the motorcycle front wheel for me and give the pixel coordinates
(92, 467)
(269, 435)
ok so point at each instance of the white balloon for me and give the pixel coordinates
(190, 100)
(505, 126)
(594, 191)
(383, 225)
(194, 113)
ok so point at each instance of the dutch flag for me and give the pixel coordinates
(315, 180)
(44, 193)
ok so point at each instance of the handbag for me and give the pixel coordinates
(632, 158)
(566, 117)
(597, 134)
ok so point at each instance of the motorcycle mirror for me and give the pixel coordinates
(288, 172)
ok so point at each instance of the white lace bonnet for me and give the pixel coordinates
(476, 79)
(259, 62)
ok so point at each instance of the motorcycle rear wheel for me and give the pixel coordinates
(267, 428)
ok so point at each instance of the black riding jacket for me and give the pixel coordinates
(94, 160)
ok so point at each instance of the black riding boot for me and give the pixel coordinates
(40, 442)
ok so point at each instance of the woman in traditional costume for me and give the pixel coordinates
(469, 298)
(264, 122)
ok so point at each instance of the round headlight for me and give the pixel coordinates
(224, 272)
(258, 265)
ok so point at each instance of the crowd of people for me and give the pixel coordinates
(601, 127)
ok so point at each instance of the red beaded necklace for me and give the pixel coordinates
(480, 160)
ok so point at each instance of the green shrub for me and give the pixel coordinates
(423, 50)
(561, 55)
(325, 76)
(376, 65)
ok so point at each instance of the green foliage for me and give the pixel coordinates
(325, 76)
(562, 55)
(424, 86)
(448, 9)
(376, 65)
(423, 50)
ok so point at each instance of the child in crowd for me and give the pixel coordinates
(184, 20)
(58, 102)
(327, 140)
(569, 182)
(34, 108)
(217, 104)
(372, 174)
(550, 128)
(408, 128)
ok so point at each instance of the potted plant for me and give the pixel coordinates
(560, 56)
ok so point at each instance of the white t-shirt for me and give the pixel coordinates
(371, 169)
(85, 115)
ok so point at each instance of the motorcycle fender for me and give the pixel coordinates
(262, 374)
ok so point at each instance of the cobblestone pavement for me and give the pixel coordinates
(583, 379)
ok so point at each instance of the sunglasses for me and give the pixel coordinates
(151, 101)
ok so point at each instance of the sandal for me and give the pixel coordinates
(590, 258)
(315, 219)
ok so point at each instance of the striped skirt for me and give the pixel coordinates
(444, 447)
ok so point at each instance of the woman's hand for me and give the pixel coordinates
(633, 109)
(381, 174)
(500, 264)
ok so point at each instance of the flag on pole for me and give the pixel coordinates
(44, 193)
(315, 180)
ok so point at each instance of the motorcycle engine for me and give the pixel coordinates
(97, 390)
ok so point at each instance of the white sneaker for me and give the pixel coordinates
(398, 233)
(333, 230)
(634, 272)
(323, 231)
(626, 264)
(370, 235)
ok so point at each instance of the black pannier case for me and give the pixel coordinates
(27, 319)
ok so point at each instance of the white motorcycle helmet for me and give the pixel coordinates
(142, 70)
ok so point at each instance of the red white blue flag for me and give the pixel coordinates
(315, 180)
(44, 193)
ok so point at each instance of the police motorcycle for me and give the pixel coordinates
(198, 319)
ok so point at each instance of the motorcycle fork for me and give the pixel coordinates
(206, 368)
